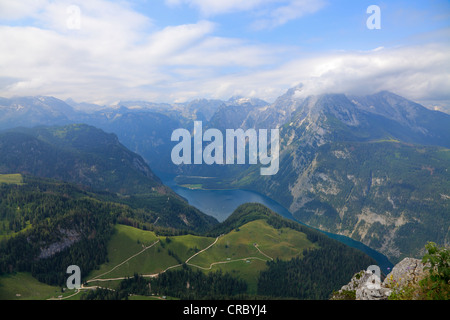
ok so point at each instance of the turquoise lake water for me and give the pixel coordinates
(221, 203)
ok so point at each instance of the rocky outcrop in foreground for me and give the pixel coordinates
(366, 285)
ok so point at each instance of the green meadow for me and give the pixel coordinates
(15, 178)
(133, 251)
(243, 252)
(22, 286)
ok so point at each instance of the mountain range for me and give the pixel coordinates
(79, 197)
(374, 167)
(97, 162)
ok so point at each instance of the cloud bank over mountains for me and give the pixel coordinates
(119, 52)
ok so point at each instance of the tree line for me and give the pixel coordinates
(185, 284)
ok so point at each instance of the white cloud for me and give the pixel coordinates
(292, 10)
(269, 13)
(172, 40)
(118, 54)
(415, 72)
(208, 7)
(12, 10)
(420, 73)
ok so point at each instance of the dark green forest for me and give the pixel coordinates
(47, 225)
(65, 226)
(193, 285)
(315, 275)
(96, 161)
(185, 284)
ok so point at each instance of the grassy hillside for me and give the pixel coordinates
(22, 286)
(242, 252)
(47, 225)
(255, 240)
(150, 254)
(11, 178)
(57, 224)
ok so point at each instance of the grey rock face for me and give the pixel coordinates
(68, 237)
(366, 285)
(406, 273)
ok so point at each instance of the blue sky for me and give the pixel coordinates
(179, 50)
(338, 24)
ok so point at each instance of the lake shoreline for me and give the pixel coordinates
(220, 203)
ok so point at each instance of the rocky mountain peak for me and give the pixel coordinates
(365, 285)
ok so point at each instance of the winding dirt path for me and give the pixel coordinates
(123, 262)
(96, 278)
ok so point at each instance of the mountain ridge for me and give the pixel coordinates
(72, 153)
(96, 161)
(330, 127)
(315, 132)
(77, 236)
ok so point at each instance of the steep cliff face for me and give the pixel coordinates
(372, 168)
(391, 196)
